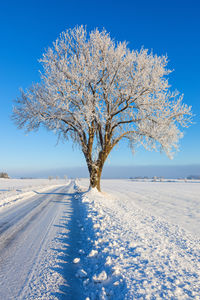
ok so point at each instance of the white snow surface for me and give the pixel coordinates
(38, 242)
(147, 238)
(135, 240)
(12, 190)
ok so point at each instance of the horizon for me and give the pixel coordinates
(115, 172)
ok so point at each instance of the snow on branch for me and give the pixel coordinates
(98, 91)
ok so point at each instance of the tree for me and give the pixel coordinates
(4, 175)
(98, 92)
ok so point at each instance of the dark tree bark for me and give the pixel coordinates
(95, 177)
(95, 169)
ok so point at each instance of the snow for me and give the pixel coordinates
(76, 260)
(12, 190)
(146, 235)
(100, 277)
(135, 240)
(97, 92)
(36, 248)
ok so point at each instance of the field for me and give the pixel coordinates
(148, 233)
(135, 240)
(13, 190)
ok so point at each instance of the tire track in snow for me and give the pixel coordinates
(36, 261)
(17, 219)
(28, 266)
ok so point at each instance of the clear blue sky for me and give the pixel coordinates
(28, 27)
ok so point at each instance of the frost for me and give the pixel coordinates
(108, 261)
(81, 273)
(106, 250)
(97, 92)
(93, 253)
(86, 282)
(81, 251)
(117, 271)
(76, 260)
(95, 226)
(103, 295)
(101, 277)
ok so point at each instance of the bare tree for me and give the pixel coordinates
(98, 92)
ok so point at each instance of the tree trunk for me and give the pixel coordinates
(95, 176)
(95, 168)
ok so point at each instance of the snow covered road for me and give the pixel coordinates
(38, 237)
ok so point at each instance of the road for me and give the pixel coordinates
(38, 241)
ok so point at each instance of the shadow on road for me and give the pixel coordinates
(70, 242)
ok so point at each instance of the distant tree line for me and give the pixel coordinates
(4, 175)
(193, 177)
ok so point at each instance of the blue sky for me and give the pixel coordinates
(29, 27)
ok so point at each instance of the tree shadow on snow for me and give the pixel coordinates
(80, 234)
(70, 245)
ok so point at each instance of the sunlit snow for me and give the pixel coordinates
(135, 240)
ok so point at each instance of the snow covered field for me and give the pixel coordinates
(135, 240)
(12, 190)
(143, 240)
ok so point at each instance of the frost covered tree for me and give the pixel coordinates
(98, 92)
